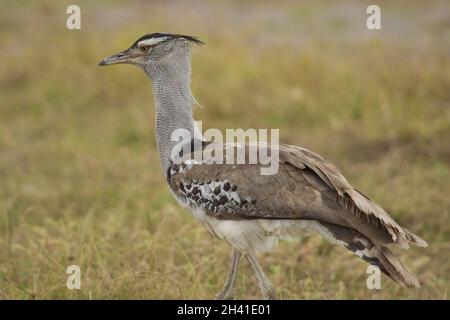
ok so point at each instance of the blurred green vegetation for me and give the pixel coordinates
(80, 181)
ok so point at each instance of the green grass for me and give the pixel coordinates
(80, 181)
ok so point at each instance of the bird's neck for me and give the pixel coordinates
(174, 103)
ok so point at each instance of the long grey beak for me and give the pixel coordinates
(121, 57)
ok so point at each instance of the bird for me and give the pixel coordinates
(251, 211)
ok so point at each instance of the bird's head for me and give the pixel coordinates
(152, 49)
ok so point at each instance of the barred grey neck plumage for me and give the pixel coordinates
(174, 101)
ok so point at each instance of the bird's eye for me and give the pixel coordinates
(144, 48)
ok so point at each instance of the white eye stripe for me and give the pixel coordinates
(151, 41)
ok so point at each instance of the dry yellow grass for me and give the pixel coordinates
(80, 181)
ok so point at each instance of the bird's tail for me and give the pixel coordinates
(391, 265)
(379, 256)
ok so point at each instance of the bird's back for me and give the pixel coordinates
(306, 187)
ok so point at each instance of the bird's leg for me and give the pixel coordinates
(227, 292)
(263, 281)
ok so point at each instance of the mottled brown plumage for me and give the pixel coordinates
(306, 187)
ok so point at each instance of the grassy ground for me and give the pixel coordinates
(80, 181)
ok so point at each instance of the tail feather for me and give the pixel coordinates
(379, 256)
(415, 239)
(390, 265)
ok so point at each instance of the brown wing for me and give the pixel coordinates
(360, 212)
(305, 187)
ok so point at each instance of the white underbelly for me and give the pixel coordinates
(254, 235)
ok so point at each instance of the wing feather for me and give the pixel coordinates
(305, 187)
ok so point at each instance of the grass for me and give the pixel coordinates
(80, 181)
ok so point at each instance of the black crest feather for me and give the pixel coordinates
(169, 35)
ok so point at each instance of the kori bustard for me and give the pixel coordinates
(249, 210)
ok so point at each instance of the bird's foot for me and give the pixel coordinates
(225, 295)
(270, 294)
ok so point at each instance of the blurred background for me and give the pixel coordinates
(80, 180)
